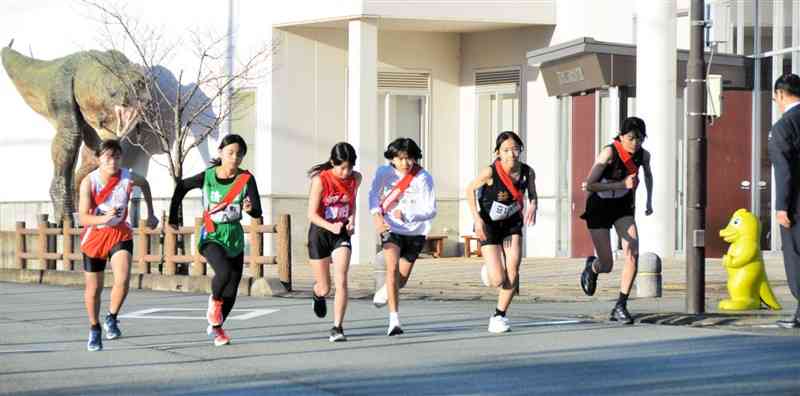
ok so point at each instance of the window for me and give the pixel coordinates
(243, 122)
(403, 108)
(497, 110)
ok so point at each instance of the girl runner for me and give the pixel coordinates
(227, 191)
(499, 221)
(331, 211)
(103, 210)
(403, 204)
(612, 186)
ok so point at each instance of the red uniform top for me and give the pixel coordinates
(338, 197)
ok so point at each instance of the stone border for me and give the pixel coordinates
(258, 287)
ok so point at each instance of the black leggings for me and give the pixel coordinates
(227, 275)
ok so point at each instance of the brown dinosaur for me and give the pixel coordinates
(88, 96)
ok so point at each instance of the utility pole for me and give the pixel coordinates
(696, 163)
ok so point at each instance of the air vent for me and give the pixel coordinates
(403, 80)
(497, 77)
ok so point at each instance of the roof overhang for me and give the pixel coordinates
(585, 64)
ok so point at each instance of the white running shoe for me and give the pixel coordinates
(485, 275)
(498, 324)
(380, 298)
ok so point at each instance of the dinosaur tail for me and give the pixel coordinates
(767, 297)
(16, 63)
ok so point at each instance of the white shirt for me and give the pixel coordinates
(418, 202)
(789, 107)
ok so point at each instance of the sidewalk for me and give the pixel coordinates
(554, 282)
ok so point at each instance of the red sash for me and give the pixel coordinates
(101, 196)
(506, 179)
(236, 188)
(399, 189)
(98, 242)
(340, 188)
(626, 158)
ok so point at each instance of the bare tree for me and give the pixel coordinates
(177, 118)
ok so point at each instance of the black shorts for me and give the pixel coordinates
(410, 245)
(497, 231)
(602, 213)
(99, 264)
(322, 243)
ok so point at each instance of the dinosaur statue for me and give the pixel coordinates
(747, 280)
(88, 96)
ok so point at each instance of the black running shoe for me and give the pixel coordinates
(320, 307)
(589, 277)
(620, 314)
(337, 335)
(396, 330)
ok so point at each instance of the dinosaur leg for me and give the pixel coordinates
(64, 150)
(743, 289)
(87, 165)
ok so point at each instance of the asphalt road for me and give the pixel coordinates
(280, 347)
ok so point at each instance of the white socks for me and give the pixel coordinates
(394, 320)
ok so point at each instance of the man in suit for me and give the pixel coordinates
(784, 152)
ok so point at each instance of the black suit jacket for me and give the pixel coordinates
(784, 153)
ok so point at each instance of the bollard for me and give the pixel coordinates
(648, 280)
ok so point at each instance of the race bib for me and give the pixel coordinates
(610, 194)
(500, 211)
(232, 212)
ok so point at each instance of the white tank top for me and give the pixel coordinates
(117, 200)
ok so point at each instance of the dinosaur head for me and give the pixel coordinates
(111, 93)
(743, 225)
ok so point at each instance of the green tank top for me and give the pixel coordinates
(229, 232)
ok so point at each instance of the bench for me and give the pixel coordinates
(468, 245)
(435, 244)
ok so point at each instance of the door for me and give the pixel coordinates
(583, 153)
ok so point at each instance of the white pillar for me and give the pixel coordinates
(362, 124)
(656, 67)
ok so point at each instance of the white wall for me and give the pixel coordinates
(533, 12)
(309, 111)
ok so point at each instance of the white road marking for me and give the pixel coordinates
(148, 314)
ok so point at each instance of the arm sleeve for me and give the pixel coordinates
(426, 209)
(780, 156)
(255, 197)
(181, 188)
(532, 196)
(375, 192)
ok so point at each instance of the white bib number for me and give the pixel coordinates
(500, 211)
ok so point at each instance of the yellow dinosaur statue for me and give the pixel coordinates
(747, 280)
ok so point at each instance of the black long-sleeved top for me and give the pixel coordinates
(196, 181)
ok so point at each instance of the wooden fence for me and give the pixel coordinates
(164, 252)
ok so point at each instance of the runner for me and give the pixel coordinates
(612, 186)
(331, 212)
(227, 191)
(103, 211)
(403, 204)
(499, 221)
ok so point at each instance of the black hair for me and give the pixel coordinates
(505, 135)
(633, 124)
(788, 83)
(341, 152)
(403, 145)
(228, 140)
(109, 144)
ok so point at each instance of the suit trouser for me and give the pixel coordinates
(791, 258)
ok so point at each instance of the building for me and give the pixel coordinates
(451, 75)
